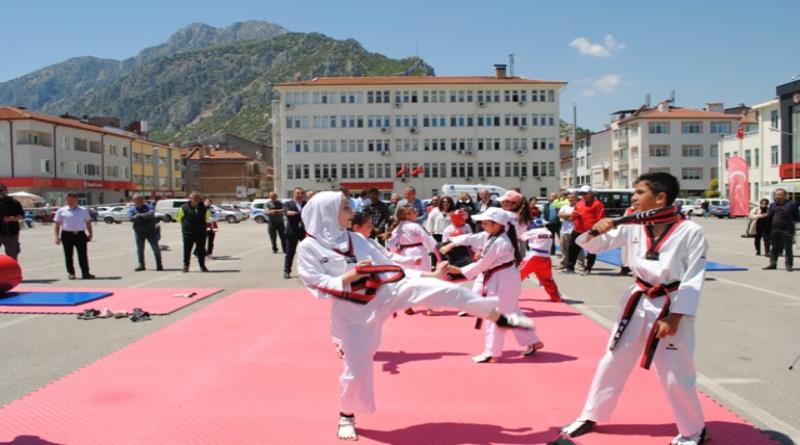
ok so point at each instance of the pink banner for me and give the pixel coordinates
(738, 186)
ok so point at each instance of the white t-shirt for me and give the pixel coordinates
(567, 226)
(72, 220)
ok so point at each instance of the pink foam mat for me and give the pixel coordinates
(154, 301)
(258, 367)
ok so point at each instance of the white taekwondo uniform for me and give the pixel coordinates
(411, 240)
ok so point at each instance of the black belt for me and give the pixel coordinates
(73, 231)
(369, 284)
(403, 247)
(651, 291)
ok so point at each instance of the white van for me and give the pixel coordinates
(169, 207)
(455, 189)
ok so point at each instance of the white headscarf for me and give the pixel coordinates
(321, 220)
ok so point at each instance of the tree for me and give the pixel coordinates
(565, 130)
(713, 189)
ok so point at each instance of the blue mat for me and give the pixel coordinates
(50, 298)
(613, 257)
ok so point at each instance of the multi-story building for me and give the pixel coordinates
(49, 155)
(681, 141)
(789, 97)
(157, 169)
(593, 158)
(389, 132)
(759, 146)
(224, 174)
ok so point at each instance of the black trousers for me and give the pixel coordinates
(276, 231)
(761, 235)
(291, 248)
(210, 235)
(555, 230)
(198, 242)
(575, 250)
(781, 240)
(72, 241)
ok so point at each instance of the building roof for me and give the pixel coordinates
(418, 80)
(678, 113)
(215, 154)
(14, 113)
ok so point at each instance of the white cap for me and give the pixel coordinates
(585, 189)
(495, 214)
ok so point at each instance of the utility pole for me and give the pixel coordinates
(574, 145)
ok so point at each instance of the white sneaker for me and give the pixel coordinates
(485, 358)
(578, 428)
(691, 440)
(347, 428)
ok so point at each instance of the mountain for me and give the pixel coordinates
(202, 80)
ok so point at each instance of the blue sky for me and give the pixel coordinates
(732, 51)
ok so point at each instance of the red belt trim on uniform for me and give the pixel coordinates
(650, 291)
(369, 284)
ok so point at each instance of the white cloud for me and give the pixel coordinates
(600, 49)
(604, 85)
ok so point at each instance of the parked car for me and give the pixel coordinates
(712, 202)
(721, 211)
(169, 208)
(258, 216)
(231, 216)
(113, 215)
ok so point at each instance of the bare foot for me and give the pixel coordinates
(531, 350)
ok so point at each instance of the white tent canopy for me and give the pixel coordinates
(27, 199)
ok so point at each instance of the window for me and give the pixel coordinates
(773, 119)
(774, 155)
(714, 151)
(659, 151)
(755, 156)
(720, 127)
(691, 127)
(659, 169)
(80, 144)
(45, 164)
(692, 173)
(748, 157)
(692, 151)
(658, 127)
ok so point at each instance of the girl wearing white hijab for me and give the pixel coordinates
(367, 288)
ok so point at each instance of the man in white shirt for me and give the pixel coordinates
(567, 226)
(73, 226)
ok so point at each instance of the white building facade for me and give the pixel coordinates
(681, 141)
(594, 161)
(760, 147)
(390, 132)
(48, 156)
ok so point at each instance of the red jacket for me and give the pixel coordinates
(588, 215)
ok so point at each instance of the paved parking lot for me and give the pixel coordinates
(747, 328)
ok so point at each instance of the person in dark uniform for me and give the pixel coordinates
(294, 229)
(781, 217)
(193, 217)
(274, 210)
(11, 214)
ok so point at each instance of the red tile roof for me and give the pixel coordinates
(217, 154)
(679, 113)
(14, 113)
(418, 80)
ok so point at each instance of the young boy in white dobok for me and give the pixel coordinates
(658, 314)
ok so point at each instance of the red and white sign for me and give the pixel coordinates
(92, 184)
(790, 171)
(61, 183)
(738, 186)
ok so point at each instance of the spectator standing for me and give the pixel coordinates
(274, 209)
(439, 218)
(11, 213)
(552, 221)
(211, 228)
(758, 226)
(706, 206)
(193, 218)
(378, 212)
(294, 230)
(393, 204)
(588, 211)
(485, 201)
(143, 219)
(781, 217)
(567, 227)
(73, 226)
(410, 199)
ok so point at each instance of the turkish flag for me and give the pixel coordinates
(417, 171)
(740, 131)
(402, 171)
(738, 186)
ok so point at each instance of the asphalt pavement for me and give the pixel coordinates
(747, 327)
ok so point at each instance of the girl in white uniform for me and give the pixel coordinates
(496, 274)
(410, 239)
(367, 288)
(657, 317)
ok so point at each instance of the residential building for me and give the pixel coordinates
(224, 174)
(681, 141)
(759, 146)
(565, 161)
(252, 149)
(150, 157)
(599, 156)
(389, 132)
(49, 156)
(789, 97)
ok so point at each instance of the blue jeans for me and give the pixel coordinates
(152, 239)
